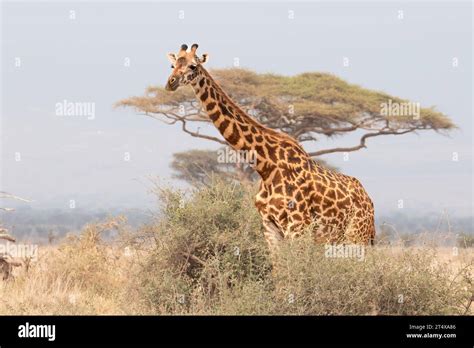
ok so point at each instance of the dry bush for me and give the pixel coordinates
(205, 246)
(83, 275)
(193, 268)
(205, 254)
(465, 240)
(387, 281)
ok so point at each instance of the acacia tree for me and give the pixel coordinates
(308, 107)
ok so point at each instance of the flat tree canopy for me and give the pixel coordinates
(306, 106)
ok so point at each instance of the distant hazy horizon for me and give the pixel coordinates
(49, 57)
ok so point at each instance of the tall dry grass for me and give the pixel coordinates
(205, 254)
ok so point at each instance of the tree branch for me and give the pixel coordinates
(202, 136)
(174, 117)
(361, 144)
(9, 195)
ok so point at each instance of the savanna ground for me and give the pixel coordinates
(204, 253)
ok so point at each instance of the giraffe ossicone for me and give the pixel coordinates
(295, 191)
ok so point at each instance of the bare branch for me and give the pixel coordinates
(6, 236)
(361, 144)
(9, 195)
(202, 136)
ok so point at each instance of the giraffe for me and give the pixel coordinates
(295, 192)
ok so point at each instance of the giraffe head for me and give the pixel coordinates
(185, 67)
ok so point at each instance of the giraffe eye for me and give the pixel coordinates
(172, 66)
(192, 67)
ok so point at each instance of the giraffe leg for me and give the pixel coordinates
(273, 236)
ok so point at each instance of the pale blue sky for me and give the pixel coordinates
(67, 158)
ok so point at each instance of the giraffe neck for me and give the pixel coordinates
(239, 130)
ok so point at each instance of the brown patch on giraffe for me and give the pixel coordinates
(259, 150)
(212, 92)
(293, 159)
(357, 203)
(282, 154)
(320, 188)
(238, 118)
(298, 196)
(341, 215)
(204, 95)
(278, 189)
(210, 106)
(225, 111)
(215, 116)
(276, 178)
(300, 181)
(272, 210)
(327, 203)
(234, 137)
(302, 207)
(308, 165)
(283, 215)
(290, 188)
(267, 170)
(272, 153)
(331, 194)
(245, 147)
(286, 171)
(259, 205)
(277, 203)
(323, 179)
(344, 204)
(316, 199)
(339, 194)
(223, 126)
(307, 189)
(297, 216)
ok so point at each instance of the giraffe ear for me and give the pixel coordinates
(172, 58)
(203, 59)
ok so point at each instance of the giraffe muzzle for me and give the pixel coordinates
(172, 84)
